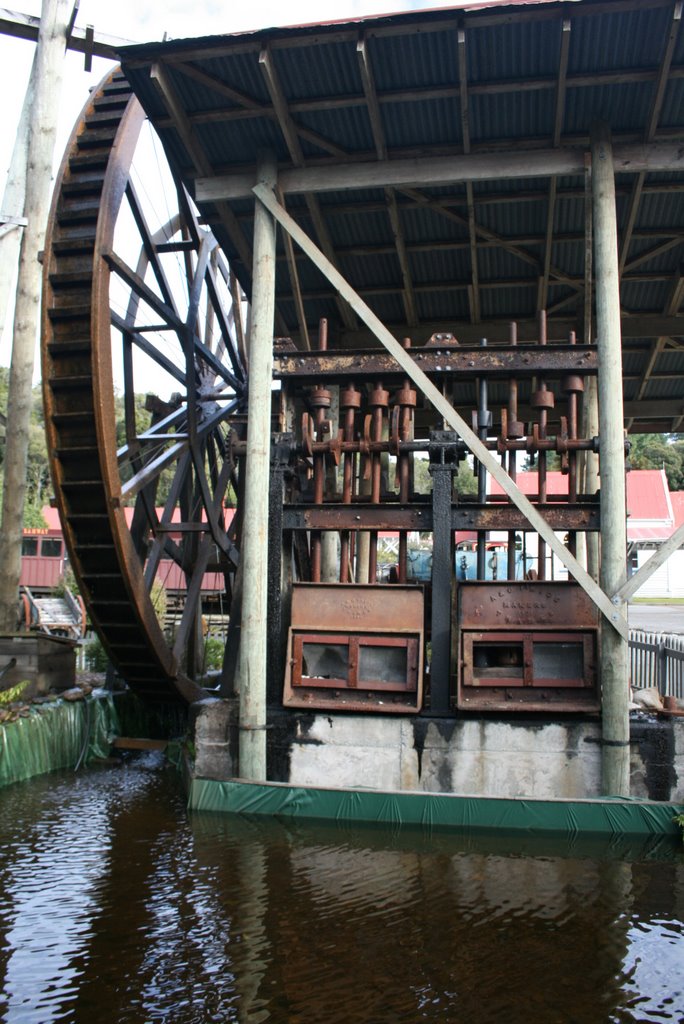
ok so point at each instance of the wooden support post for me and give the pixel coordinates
(251, 673)
(614, 647)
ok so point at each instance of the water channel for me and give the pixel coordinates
(117, 906)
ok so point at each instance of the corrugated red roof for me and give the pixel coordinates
(650, 515)
(648, 496)
(677, 501)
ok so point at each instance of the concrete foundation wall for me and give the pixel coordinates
(483, 757)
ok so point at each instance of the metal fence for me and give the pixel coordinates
(657, 659)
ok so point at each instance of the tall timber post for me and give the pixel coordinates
(252, 666)
(614, 649)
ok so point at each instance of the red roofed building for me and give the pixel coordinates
(653, 513)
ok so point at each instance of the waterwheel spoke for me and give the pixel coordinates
(148, 348)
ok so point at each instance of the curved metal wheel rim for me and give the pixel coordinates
(130, 629)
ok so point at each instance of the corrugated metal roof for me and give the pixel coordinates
(617, 50)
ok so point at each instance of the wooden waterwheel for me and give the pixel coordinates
(138, 300)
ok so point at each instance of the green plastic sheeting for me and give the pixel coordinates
(436, 810)
(61, 734)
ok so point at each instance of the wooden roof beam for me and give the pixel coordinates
(439, 171)
(543, 296)
(367, 79)
(253, 108)
(658, 345)
(169, 97)
(656, 107)
(474, 290)
(291, 137)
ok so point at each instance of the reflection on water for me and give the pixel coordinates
(115, 907)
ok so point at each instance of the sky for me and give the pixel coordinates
(149, 20)
(142, 21)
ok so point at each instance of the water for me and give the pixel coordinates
(117, 907)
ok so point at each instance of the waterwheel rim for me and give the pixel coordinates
(117, 313)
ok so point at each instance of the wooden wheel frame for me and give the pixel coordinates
(129, 304)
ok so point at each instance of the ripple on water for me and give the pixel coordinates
(114, 906)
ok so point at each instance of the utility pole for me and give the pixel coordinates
(52, 39)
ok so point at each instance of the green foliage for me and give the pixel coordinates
(96, 658)
(159, 599)
(14, 692)
(679, 820)
(66, 582)
(465, 481)
(659, 451)
(38, 485)
(213, 653)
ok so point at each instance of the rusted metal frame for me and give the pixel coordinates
(446, 410)
(288, 129)
(464, 103)
(464, 360)
(583, 516)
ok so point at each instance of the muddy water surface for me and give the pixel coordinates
(116, 906)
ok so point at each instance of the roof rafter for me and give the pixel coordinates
(367, 79)
(474, 290)
(553, 181)
(291, 137)
(656, 106)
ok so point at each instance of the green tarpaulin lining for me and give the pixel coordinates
(436, 810)
(61, 734)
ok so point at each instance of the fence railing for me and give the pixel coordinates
(657, 659)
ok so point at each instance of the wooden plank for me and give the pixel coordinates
(446, 410)
(438, 171)
(672, 544)
(137, 743)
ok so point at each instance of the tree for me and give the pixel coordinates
(659, 451)
(42, 128)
